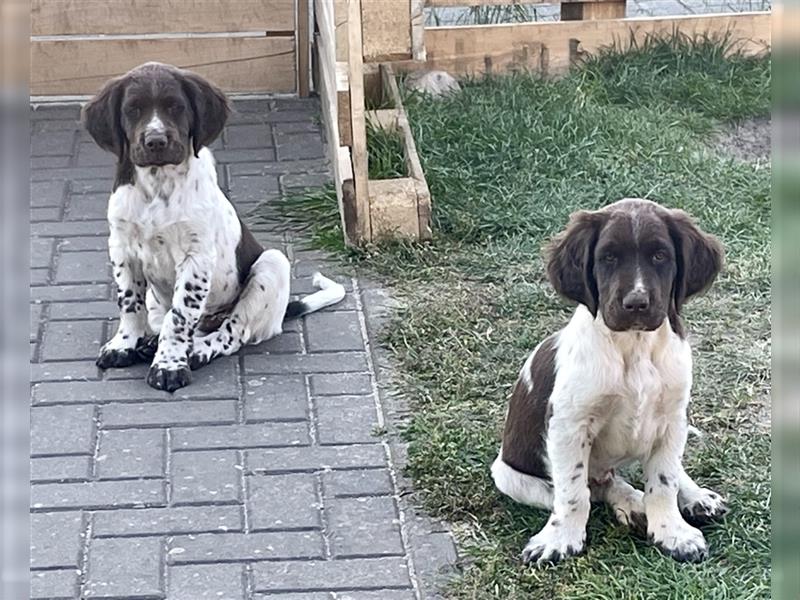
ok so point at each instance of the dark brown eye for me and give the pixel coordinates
(659, 256)
(175, 108)
(609, 258)
(132, 111)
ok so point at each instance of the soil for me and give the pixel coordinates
(749, 140)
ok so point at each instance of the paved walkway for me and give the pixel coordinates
(265, 479)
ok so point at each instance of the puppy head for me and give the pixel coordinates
(155, 115)
(633, 261)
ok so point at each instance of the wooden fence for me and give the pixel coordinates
(361, 43)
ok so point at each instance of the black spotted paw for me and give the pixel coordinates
(681, 541)
(199, 359)
(146, 347)
(169, 380)
(117, 357)
(553, 543)
(703, 507)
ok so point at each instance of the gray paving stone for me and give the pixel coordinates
(283, 501)
(56, 540)
(244, 155)
(88, 207)
(294, 146)
(41, 252)
(74, 173)
(39, 215)
(125, 391)
(339, 384)
(296, 127)
(242, 547)
(302, 181)
(315, 458)
(312, 575)
(83, 243)
(92, 186)
(253, 189)
(257, 435)
(73, 370)
(60, 469)
(68, 229)
(62, 430)
(98, 494)
(212, 477)
(54, 585)
(125, 569)
(207, 582)
(90, 155)
(299, 596)
(129, 453)
(75, 293)
(346, 419)
(289, 342)
(166, 521)
(366, 526)
(359, 482)
(168, 414)
(35, 321)
(336, 331)
(48, 193)
(72, 340)
(331, 362)
(49, 162)
(285, 116)
(317, 165)
(98, 309)
(278, 398)
(54, 143)
(221, 374)
(88, 267)
(248, 136)
(40, 277)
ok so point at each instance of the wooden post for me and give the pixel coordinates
(593, 10)
(358, 124)
(303, 49)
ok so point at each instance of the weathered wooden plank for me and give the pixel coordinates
(355, 61)
(482, 2)
(386, 29)
(303, 48)
(70, 17)
(238, 64)
(592, 10)
(476, 49)
(418, 29)
(393, 208)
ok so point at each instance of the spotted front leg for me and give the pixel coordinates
(170, 368)
(665, 525)
(564, 534)
(121, 350)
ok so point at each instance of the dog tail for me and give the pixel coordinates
(329, 293)
(525, 489)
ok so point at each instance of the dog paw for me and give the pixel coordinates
(146, 347)
(553, 543)
(169, 380)
(681, 541)
(116, 357)
(703, 507)
(634, 520)
(199, 359)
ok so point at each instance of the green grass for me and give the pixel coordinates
(507, 160)
(386, 158)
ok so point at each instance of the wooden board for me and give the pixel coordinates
(303, 44)
(469, 50)
(65, 17)
(393, 209)
(483, 2)
(239, 64)
(386, 27)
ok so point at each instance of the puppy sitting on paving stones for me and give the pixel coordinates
(193, 283)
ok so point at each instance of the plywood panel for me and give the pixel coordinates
(239, 64)
(386, 26)
(473, 49)
(63, 17)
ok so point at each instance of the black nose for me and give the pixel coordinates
(636, 301)
(155, 141)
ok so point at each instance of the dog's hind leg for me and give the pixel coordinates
(256, 316)
(625, 500)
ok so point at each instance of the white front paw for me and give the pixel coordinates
(679, 540)
(702, 507)
(554, 542)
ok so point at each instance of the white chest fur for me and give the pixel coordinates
(174, 212)
(628, 385)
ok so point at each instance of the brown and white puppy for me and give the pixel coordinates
(191, 278)
(613, 386)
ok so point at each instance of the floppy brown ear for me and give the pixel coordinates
(699, 257)
(570, 259)
(101, 117)
(209, 107)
